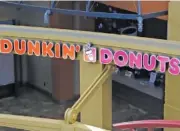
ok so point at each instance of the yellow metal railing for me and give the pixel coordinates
(42, 124)
(115, 42)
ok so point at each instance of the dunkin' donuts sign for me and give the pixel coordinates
(91, 54)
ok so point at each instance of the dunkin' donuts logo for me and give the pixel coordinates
(91, 54)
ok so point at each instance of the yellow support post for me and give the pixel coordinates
(172, 86)
(72, 113)
(98, 110)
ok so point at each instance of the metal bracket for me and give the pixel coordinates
(139, 18)
(71, 114)
(88, 5)
(49, 12)
(140, 24)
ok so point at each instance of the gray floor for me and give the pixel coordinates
(34, 103)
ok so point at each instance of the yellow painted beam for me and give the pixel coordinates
(172, 84)
(42, 124)
(98, 110)
(115, 42)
